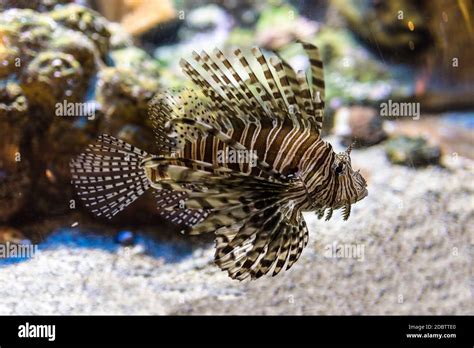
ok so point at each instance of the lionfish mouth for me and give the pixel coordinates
(362, 195)
(345, 205)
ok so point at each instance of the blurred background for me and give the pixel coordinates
(415, 228)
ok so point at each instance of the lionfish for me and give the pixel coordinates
(245, 103)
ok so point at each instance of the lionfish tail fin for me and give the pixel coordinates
(108, 176)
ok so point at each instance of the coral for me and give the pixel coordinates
(136, 59)
(8, 56)
(26, 31)
(125, 94)
(37, 5)
(77, 45)
(119, 37)
(60, 57)
(13, 103)
(87, 21)
(52, 77)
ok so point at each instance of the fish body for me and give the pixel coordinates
(241, 156)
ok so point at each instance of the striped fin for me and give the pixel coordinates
(306, 106)
(171, 208)
(317, 71)
(234, 81)
(215, 91)
(307, 101)
(234, 97)
(346, 211)
(284, 83)
(183, 103)
(275, 253)
(317, 82)
(254, 85)
(258, 86)
(159, 111)
(176, 174)
(242, 91)
(280, 105)
(298, 241)
(226, 195)
(108, 176)
(260, 244)
(217, 99)
(282, 252)
(258, 259)
(297, 104)
(231, 208)
(183, 219)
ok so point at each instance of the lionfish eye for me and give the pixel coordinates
(339, 169)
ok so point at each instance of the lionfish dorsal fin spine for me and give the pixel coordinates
(279, 102)
(317, 82)
(317, 70)
(251, 85)
(258, 89)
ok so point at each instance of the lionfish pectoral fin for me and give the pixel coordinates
(320, 213)
(346, 211)
(235, 200)
(108, 176)
(205, 196)
(266, 241)
(329, 214)
(171, 207)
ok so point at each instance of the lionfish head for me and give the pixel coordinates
(352, 185)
